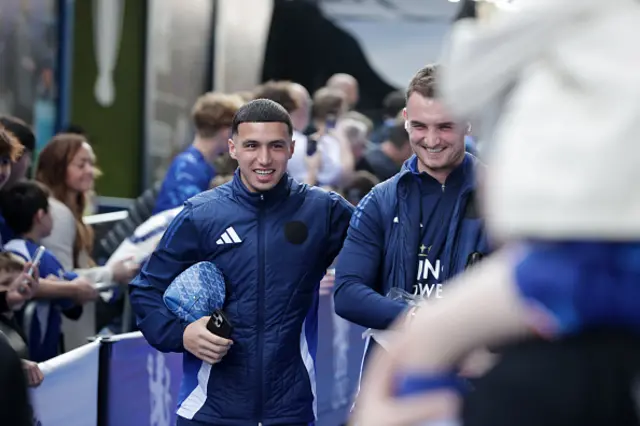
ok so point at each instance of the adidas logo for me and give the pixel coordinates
(229, 237)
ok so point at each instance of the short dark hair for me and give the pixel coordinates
(424, 82)
(393, 103)
(21, 202)
(261, 111)
(360, 184)
(277, 91)
(327, 102)
(20, 130)
(398, 135)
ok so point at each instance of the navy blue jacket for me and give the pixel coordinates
(381, 249)
(268, 375)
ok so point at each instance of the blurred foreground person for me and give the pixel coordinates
(14, 399)
(557, 198)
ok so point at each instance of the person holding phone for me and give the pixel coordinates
(273, 239)
(26, 210)
(19, 278)
(20, 290)
(323, 158)
(337, 161)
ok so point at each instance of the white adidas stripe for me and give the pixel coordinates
(230, 236)
(234, 235)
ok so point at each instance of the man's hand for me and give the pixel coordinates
(33, 373)
(84, 291)
(202, 343)
(22, 288)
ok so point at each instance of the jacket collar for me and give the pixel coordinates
(264, 198)
(462, 175)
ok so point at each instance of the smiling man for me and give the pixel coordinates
(273, 239)
(417, 229)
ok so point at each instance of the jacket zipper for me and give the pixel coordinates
(261, 292)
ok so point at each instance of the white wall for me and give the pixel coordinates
(242, 27)
(397, 36)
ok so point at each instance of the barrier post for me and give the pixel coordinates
(103, 380)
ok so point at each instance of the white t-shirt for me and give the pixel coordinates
(330, 167)
(145, 238)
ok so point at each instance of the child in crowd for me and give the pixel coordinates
(25, 208)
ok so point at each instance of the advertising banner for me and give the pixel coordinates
(143, 383)
(68, 396)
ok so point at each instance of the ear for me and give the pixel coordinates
(232, 149)
(39, 216)
(404, 115)
(292, 149)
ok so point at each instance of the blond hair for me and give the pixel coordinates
(214, 111)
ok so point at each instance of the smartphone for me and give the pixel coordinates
(105, 286)
(32, 269)
(312, 146)
(36, 261)
(219, 324)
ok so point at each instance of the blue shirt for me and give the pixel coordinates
(45, 322)
(189, 174)
(6, 233)
(437, 207)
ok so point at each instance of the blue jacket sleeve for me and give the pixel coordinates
(177, 251)
(183, 181)
(341, 211)
(358, 297)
